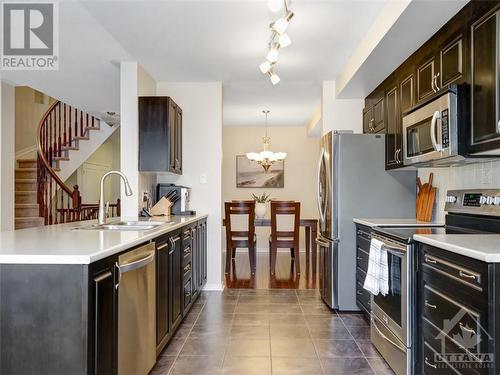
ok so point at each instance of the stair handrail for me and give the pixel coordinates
(41, 151)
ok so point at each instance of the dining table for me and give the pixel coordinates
(311, 232)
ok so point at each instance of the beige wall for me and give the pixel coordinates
(30, 107)
(300, 168)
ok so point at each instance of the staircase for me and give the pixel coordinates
(62, 132)
(26, 205)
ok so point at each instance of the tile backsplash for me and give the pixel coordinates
(471, 176)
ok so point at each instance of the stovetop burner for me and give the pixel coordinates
(405, 234)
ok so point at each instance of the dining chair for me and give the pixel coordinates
(240, 238)
(280, 239)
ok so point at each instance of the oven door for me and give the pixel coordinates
(429, 133)
(392, 309)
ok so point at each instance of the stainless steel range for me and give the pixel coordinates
(393, 316)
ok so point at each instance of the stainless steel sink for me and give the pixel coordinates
(125, 226)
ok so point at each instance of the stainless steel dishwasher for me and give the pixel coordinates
(136, 311)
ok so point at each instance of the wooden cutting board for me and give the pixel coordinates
(426, 197)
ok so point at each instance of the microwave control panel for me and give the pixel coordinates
(445, 136)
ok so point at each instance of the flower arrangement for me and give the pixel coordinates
(263, 198)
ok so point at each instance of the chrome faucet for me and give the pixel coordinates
(101, 218)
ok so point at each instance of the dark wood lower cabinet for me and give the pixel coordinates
(180, 274)
(363, 297)
(457, 328)
(60, 319)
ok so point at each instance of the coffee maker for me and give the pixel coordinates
(179, 195)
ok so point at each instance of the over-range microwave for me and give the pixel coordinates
(433, 130)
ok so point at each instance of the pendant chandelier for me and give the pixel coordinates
(266, 158)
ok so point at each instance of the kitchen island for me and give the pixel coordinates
(65, 291)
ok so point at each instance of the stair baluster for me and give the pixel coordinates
(58, 203)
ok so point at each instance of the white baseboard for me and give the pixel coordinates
(213, 287)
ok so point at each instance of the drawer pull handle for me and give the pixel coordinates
(360, 293)
(162, 246)
(359, 258)
(466, 329)
(430, 305)
(427, 363)
(430, 260)
(467, 275)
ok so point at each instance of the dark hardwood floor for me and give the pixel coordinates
(285, 277)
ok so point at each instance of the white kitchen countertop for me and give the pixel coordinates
(59, 244)
(396, 222)
(484, 247)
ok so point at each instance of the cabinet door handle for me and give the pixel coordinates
(117, 266)
(162, 246)
(465, 274)
(430, 260)
(430, 305)
(466, 329)
(498, 127)
(359, 293)
(427, 363)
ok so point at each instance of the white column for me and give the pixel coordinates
(7, 156)
(129, 136)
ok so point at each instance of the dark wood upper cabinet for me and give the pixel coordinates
(393, 129)
(407, 92)
(373, 118)
(451, 58)
(485, 83)
(160, 135)
(426, 79)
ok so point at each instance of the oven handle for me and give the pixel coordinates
(400, 347)
(394, 250)
(437, 146)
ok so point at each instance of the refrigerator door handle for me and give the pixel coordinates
(318, 196)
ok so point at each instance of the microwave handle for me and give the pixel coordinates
(437, 146)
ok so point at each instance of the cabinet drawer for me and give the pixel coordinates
(460, 269)
(364, 233)
(451, 316)
(186, 271)
(186, 254)
(186, 236)
(453, 353)
(431, 365)
(362, 259)
(187, 293)
(363, 296)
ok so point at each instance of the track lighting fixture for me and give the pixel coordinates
(279, 39)
(275, 5)
(284, 40)
(281, 24)
(272, 55)
(275, 79)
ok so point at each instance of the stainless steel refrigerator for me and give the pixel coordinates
(353, 182)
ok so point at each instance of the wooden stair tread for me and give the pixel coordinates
(29, 218)
(25, 180)
(26, 192)
(26, 205)
(26, 169)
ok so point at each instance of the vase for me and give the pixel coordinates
(260, 210)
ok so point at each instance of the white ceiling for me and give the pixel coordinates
(205, 40)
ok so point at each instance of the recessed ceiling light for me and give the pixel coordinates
(274, 5)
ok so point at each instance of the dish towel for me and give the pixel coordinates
(377, 277)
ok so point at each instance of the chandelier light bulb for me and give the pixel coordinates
(265, 67)
(275, 5)
(284, 40)
(272, 55)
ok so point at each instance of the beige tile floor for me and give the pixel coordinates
(269, 331)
